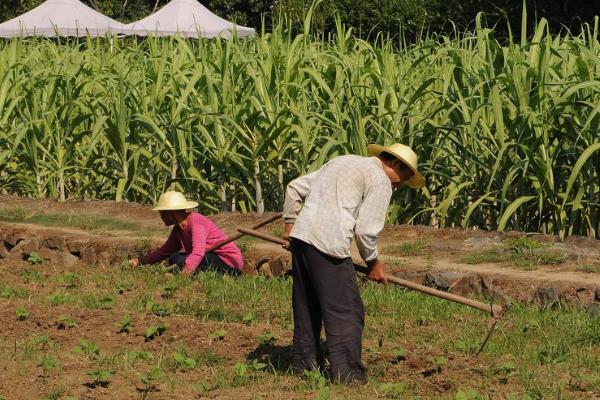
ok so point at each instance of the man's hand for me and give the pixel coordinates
(287, 229)
(376, 271)
(135, 262)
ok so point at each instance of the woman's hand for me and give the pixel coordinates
(135, 262)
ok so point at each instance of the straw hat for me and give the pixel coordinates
(404, 154)
(173, 201)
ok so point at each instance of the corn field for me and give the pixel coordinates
(507, 133)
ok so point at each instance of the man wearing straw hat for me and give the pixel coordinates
(347, 197)
(191, 235)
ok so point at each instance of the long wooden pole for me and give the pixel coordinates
(239, 235)
(493, 309)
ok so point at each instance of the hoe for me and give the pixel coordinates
(494, 310)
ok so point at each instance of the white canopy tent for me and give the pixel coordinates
(187, 18)
(60, 18)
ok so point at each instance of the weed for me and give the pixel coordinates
(267, 338)
(125, 325)
(168, 290)
(154, 331)
(159, 309)
(48, 364)
(393, 390)
(470, 394)
(149, 379)
(241, 369)
(22, 313)
(88, 349)
(133, 356)
(217, 335)
(589, 268)
(314, 379)
(65, 322)
(123, 287)
(58, 298)
(99, 303)
(55, 394)
(16, 214)
(8, 293)
(34, 258)
(144, 244)
(182, 360)
(410, 248)
(31, 276)
(100, 377)
(246, 245)
(487, 256)
(248, 318)
(70, 280)
(399, 354)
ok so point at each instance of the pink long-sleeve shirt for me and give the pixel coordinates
(198, 234)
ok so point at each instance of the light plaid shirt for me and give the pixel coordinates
(346, 197)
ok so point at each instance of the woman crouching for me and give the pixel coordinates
(191, 236)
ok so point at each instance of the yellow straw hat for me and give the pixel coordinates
(173, 201)
(404, 154)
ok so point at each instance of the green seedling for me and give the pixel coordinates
(217, 335)
(87, 348)
(22, 313)
(55, 394)
(183, 361)
(242, 369)
(103, 303)
(506, 368)
(34, 258)
(65, 322)
(134, 356)
(154, 331)
(149, 379)
(314, 379)
(125, 325)
(100, 377)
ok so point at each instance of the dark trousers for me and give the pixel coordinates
(210, 261)
(325, 292)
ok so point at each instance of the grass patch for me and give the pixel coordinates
(80, 221)
(589, 268)
(410, 248)
(524, 252)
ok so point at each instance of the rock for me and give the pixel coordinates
(88, 255)
(4, 253)
(68, 260)
(24, 247)
(278, 266)
(467, 285)
(416, 277)
(103, 258)
(442, 280)
(12, 238)
(586, 297)
(57, 257)
(76, 246)
(546, 296)
(56, 243)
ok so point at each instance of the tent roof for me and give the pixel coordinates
(60, 18)
(188, 18)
